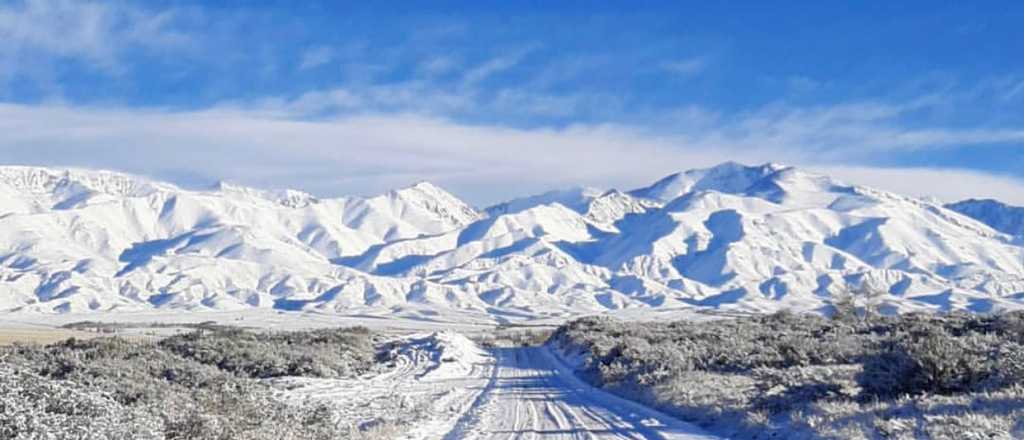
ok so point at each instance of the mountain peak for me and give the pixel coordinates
(423, 188)
(286, 197)
(72, 181)
(424, 185)
(575, 198)
(742, 237)
(437, 200)
(729, 177)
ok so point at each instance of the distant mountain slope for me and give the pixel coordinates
(998, 215)
(733, 237)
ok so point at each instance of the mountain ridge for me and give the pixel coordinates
(746, 238)
(1000, 216)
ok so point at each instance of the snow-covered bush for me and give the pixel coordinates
(931, 360)
(33, 407)
(182, 389)
(804, 376)
(513, 337)
(318, 353)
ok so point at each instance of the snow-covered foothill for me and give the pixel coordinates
(732, 238)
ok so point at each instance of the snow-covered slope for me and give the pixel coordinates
(732, 236)
(998, 215)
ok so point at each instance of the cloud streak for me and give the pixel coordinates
(316, 57)
(276, 145)
(686, 67)
(95, 33)
(444, 105)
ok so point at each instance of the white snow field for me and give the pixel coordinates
(448, 388)
(731, 238)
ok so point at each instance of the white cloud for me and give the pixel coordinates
(686, 67)
(492, 67)
(437, 65)
(802, 84)
(1014, 91)
(840, 132)
(514, 100)
(947, 184)
(408, 97)
(358, 154)
(369, 153)
(32, 31)
(316, 57)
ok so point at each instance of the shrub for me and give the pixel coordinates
(317, 353)
(930, 360)
(179, 388)
(35, 407)
(802, 376)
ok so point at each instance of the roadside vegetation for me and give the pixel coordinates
(197, 385)
(514, 336)
(854, 376)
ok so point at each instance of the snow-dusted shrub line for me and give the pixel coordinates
(804, 376)
(193, 386)
(317, 353)
(514, 337)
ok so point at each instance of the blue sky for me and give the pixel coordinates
(497, 99)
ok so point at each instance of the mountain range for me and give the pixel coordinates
(998, 215)
(732, 237)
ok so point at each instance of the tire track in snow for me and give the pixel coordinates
(463, 426)
(532, 381)
(462, 392)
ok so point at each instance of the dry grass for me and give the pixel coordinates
(41, 336)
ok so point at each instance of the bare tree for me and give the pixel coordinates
(861, 304)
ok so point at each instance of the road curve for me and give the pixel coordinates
(532, 395)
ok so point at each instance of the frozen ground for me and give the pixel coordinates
(446, 387)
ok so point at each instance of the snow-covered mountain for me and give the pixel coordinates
(735, 237)
(998, 215)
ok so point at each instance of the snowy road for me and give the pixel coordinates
(532, 396)
(445, 387)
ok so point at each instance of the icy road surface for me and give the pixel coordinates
(447, 388)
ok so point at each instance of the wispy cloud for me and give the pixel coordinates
(92, 32)
(356, 154)
(802, 84)
(686, 67)
(437, 65)
(268, 145)
(415, 97)
(316, 57)
(444, 106)
(1015, 91)
(924, 182)
(494, 66)
(844, 131)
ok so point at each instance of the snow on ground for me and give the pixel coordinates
(446, 387)
(435, 379)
